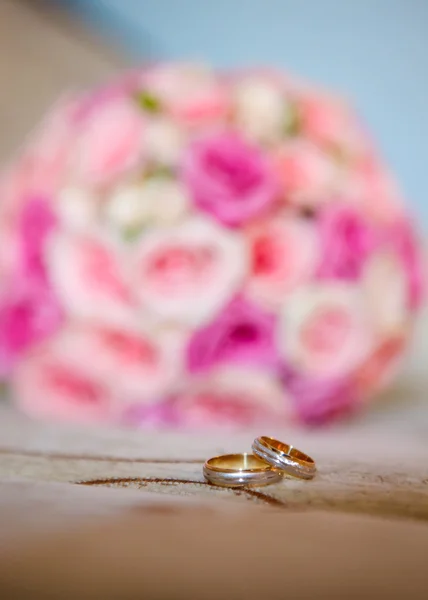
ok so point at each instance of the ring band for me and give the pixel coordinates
(284, 457)
(239, 470)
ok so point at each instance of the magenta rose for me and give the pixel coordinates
(241, 334)
(319, 400)
(29, 310)
(36, 223)
(346, 242)
(229, 178)
(29, 313)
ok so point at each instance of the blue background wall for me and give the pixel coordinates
(376, 51)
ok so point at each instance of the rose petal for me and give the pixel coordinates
(285, 253)
(324, 329)
(188, 272)
(89, 275)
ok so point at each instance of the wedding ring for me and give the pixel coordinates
(284, 457)
(239, 470)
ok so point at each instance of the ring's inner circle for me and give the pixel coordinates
(237, 462)
(286, 449)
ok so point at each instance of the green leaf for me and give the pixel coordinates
(130, 234)
(148, 102)
(159, 171)
(292, 121)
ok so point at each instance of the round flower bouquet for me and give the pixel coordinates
(191, 248)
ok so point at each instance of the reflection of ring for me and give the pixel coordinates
(284, 457)
(239, 470)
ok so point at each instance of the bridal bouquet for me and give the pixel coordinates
(191, 248)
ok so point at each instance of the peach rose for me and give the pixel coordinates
(308, 177)
(328, 121)
(377, 371)
(284, 254)
(371, 186)
(90, 277)
(323, 329)
(190, 93)
(188, 272)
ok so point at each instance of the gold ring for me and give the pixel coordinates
(239, 470)
(284, 457)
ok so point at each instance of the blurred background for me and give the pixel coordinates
(374, 52)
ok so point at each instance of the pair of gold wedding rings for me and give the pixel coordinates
(271, 460)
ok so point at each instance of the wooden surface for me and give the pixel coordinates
(104, 513)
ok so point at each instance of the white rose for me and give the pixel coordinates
(77, 208)
(261, 110)
(385, 288)
(163, 141)
(128, 207)
(168, 199)
(157, 200)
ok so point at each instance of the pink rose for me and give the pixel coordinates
(111, 142)
(284, 254)
(138, 364)
(347, 240)
(323, 330)
(48, 384)
(186, 273)
(62, 378)
(24, 229)
(90, 277)
(29, 309)
(229, 178)
(46, 160)
(402, 239)
(191, 94)
(242, 333)
(308, 177)
(29, 313)
(36, 223)
(231, 398)
(319, 400)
